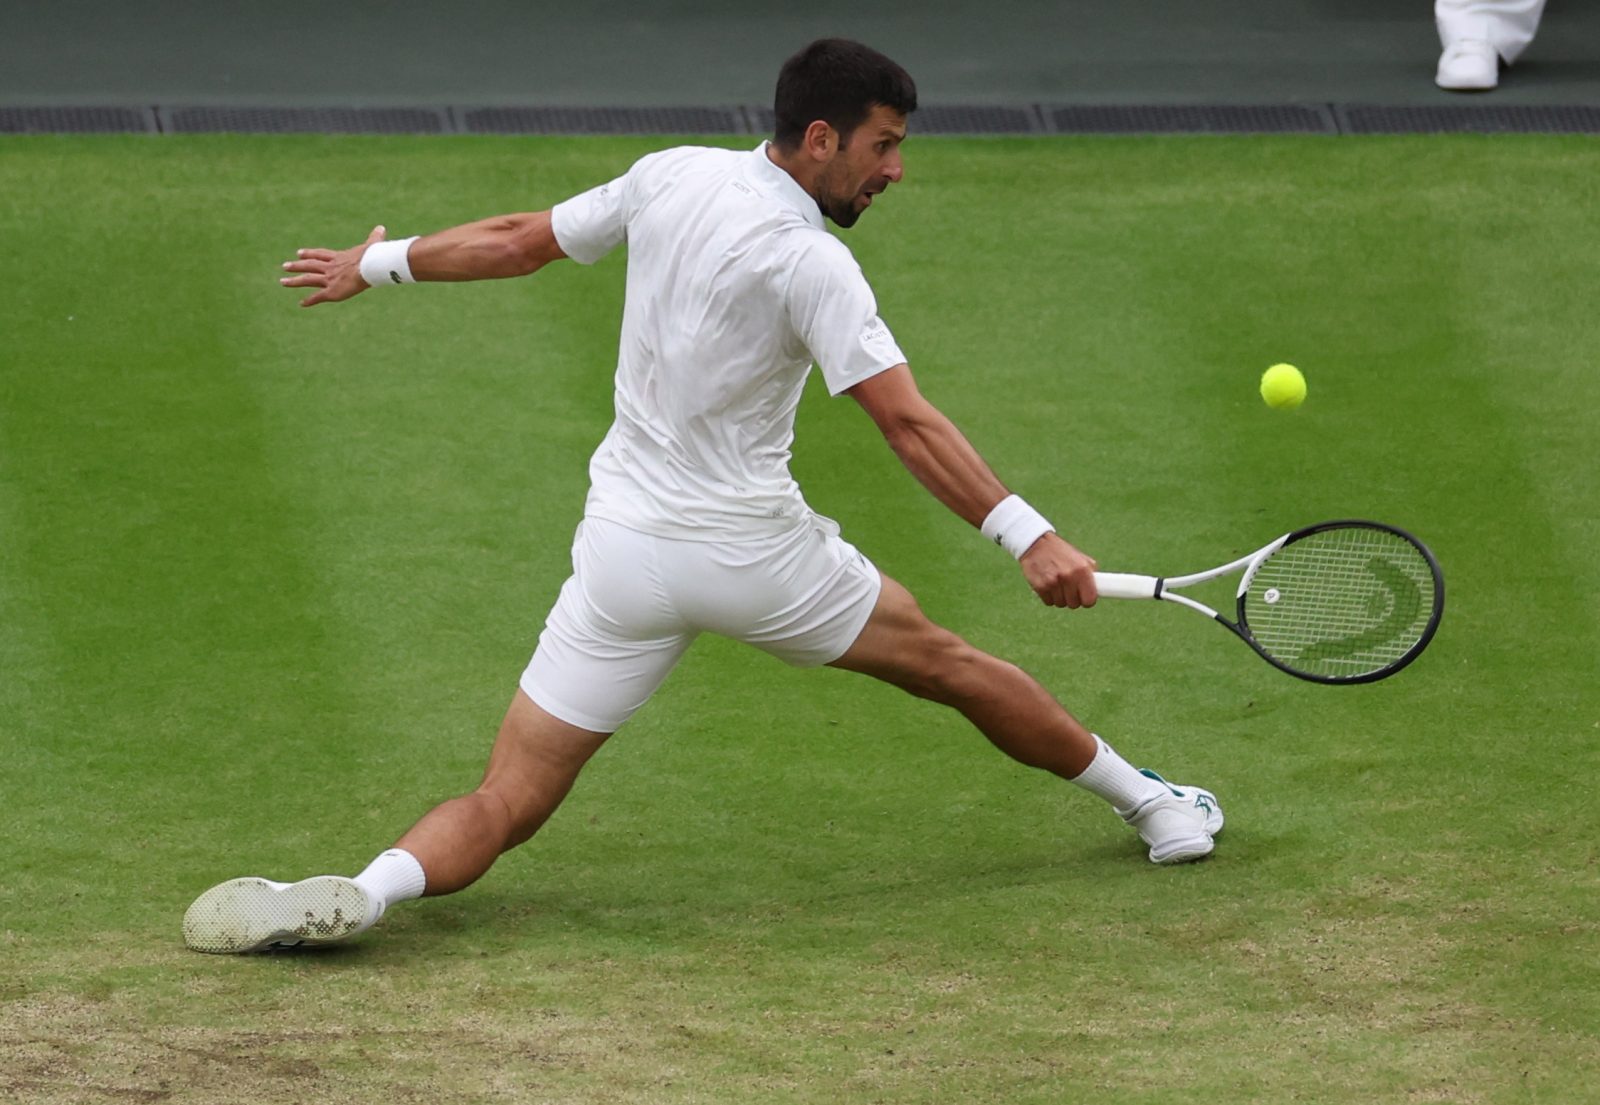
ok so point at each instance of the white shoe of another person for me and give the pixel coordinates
(1179, 824)
(1470, 65)
(252, 915)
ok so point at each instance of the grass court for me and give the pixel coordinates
(268, 576)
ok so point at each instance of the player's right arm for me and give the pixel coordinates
(490, 249)
(835, 313)
(945, 462)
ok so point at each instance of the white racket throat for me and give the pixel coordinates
(1121, 585)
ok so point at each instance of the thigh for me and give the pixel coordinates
(899, 643)
(536, 752)
(611, 638)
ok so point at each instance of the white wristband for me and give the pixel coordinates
(386, 263)
(1015, 526)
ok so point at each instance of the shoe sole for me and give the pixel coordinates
(1183, 850)
(249, 915)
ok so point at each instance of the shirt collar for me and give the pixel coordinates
(780, 185)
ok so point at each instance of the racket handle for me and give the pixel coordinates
(1118, 585)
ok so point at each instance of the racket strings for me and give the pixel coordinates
(1341, 602)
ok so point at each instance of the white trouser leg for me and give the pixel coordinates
(1507, 24)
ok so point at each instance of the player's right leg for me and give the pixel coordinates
(901, 645)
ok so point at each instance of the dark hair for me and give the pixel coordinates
(840, 82)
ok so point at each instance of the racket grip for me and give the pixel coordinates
(1118, 585)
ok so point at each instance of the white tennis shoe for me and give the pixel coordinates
(251, 915)
(1470, 65)
(1179, 824)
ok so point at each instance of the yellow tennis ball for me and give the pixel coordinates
(1283, 387)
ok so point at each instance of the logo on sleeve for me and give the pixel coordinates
(875, 338)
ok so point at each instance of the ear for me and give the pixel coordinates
(820, 141)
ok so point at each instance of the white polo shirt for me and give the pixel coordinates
(734, 289)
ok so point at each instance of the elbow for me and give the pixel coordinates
(903, 434)
(907, 423)
(516, 259)
(531, 244)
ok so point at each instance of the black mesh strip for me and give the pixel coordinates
(77, 120)
(934, 119)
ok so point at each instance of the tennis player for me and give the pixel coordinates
(693, 523)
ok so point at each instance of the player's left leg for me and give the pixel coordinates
(536, 759)
(901, 645)
(604, 651)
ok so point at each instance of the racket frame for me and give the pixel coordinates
(1121, 585)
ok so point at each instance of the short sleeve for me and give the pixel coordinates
(832, 308)
(591, 224)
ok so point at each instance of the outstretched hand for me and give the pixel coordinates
(1059, 574)
(336, 272)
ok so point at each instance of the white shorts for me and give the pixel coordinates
(635, 602)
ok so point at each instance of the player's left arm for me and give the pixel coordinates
(489, 249)
(945, 462)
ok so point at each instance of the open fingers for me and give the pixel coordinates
(326, 270)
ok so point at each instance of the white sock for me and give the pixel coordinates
(1116, 780)
(395, 876)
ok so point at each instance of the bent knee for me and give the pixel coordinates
(514, 816)
(945, 668)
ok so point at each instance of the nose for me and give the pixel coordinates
(893, 168)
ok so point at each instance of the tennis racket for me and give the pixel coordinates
(1339, 602)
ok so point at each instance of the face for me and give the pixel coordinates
(866, 163)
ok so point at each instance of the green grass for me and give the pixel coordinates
(267, 578)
